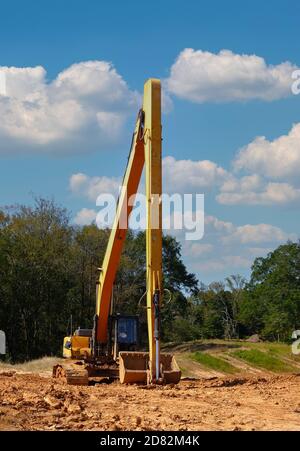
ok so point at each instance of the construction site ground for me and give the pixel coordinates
(249, 400)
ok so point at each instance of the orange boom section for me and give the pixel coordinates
(118, 233)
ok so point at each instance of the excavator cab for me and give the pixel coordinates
(124, 333)
(123, 336)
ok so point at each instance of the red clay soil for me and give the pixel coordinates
(36, 402)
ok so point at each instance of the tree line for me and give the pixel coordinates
(48, 273)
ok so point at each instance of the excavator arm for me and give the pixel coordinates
(153, 162)
(145, 149)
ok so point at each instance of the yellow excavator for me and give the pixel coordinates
(109, 349)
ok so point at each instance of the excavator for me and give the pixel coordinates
(109, 349)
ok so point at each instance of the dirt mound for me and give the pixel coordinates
(34, 402)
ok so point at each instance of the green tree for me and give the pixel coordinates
(236, 284)
(35, 244)
(48, 271)
(272, 304)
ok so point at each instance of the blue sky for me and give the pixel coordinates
(141, 41)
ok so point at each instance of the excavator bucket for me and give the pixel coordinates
(170, 369)
(134, 368)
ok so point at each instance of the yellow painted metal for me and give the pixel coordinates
(76, 347)
(67, 351)
(146, 150)
(153, 158)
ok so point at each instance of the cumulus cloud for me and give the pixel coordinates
(179, 176)
(85, 216)
(91, 187)
(275, 172)
(227, 248)
(248, 183)
(215, 225)
(187, 176)
(258, 233)
(227, 232)
(201, 76)
(273, 179)
(262, 194)
(84, 108)
(276, 159)
(274, 194)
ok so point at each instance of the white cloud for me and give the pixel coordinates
(244, 184)
(227, 248)
(187, 176)
(217, 226)
(276, 159)
(227, 233)
(91, 187)
(179, 176)
(96, 81)
(85, 217)
(270, 194)
(201, 76)
(84, 108)
(78, 181)
(258, 233)
(275, 172)
(23, 83)
(279, 159)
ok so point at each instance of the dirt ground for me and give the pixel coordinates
(37, 402)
